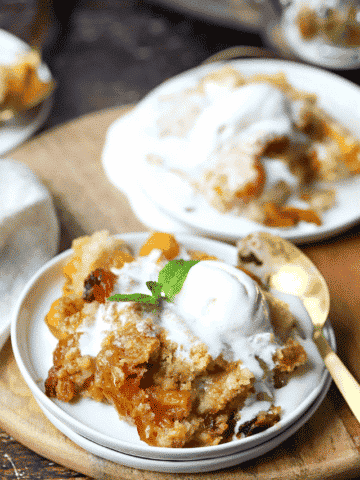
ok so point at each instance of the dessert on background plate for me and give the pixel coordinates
(254, 147)
(243, 146)
(26, 87)
(338, 22)
(21, 85)
(190, 350)
(326, 33)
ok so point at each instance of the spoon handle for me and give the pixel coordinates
(346, 383)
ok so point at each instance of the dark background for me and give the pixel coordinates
(108, 53)
(112, 52)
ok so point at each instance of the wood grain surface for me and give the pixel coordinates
(68, 160)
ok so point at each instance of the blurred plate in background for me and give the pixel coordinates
(124, 156)
(18, 129)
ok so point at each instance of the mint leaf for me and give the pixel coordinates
(134, 297)
(173, 275)
(171, 279)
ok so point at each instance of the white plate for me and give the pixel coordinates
(127, 144)
(23, 125)
(144, 208)
(189, 466)
(33, 345)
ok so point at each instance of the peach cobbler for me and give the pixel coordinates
(195, 371)
(249, 146)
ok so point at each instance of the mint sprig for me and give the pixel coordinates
(173, 275)
(170, 281)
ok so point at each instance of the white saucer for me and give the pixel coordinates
(22, 126)
(128, 141)
(98, 422)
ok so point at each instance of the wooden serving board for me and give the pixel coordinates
(68, 160)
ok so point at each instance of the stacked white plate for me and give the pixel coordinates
(96, 426)
(159, 199)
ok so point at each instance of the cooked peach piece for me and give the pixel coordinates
(162, 241)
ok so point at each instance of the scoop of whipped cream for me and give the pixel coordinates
(219, 304)
(245, 115)
(235, 125)
(222, 307)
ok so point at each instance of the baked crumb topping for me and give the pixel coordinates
(120, 353)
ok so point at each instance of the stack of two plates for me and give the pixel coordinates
(96, 426)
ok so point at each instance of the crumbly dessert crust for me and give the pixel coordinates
(173, 401)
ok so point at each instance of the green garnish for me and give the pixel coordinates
(173, 275)
(170, 282)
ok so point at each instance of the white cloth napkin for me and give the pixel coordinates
(29, 234)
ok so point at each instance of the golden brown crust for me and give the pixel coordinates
(260, 423)
(63, 316)
(174, 399)
(288, 359)
(98, 251)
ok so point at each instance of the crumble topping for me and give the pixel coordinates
(196, 372)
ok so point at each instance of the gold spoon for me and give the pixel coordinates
(282, 266)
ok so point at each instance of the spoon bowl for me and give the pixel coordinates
(282, 266)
